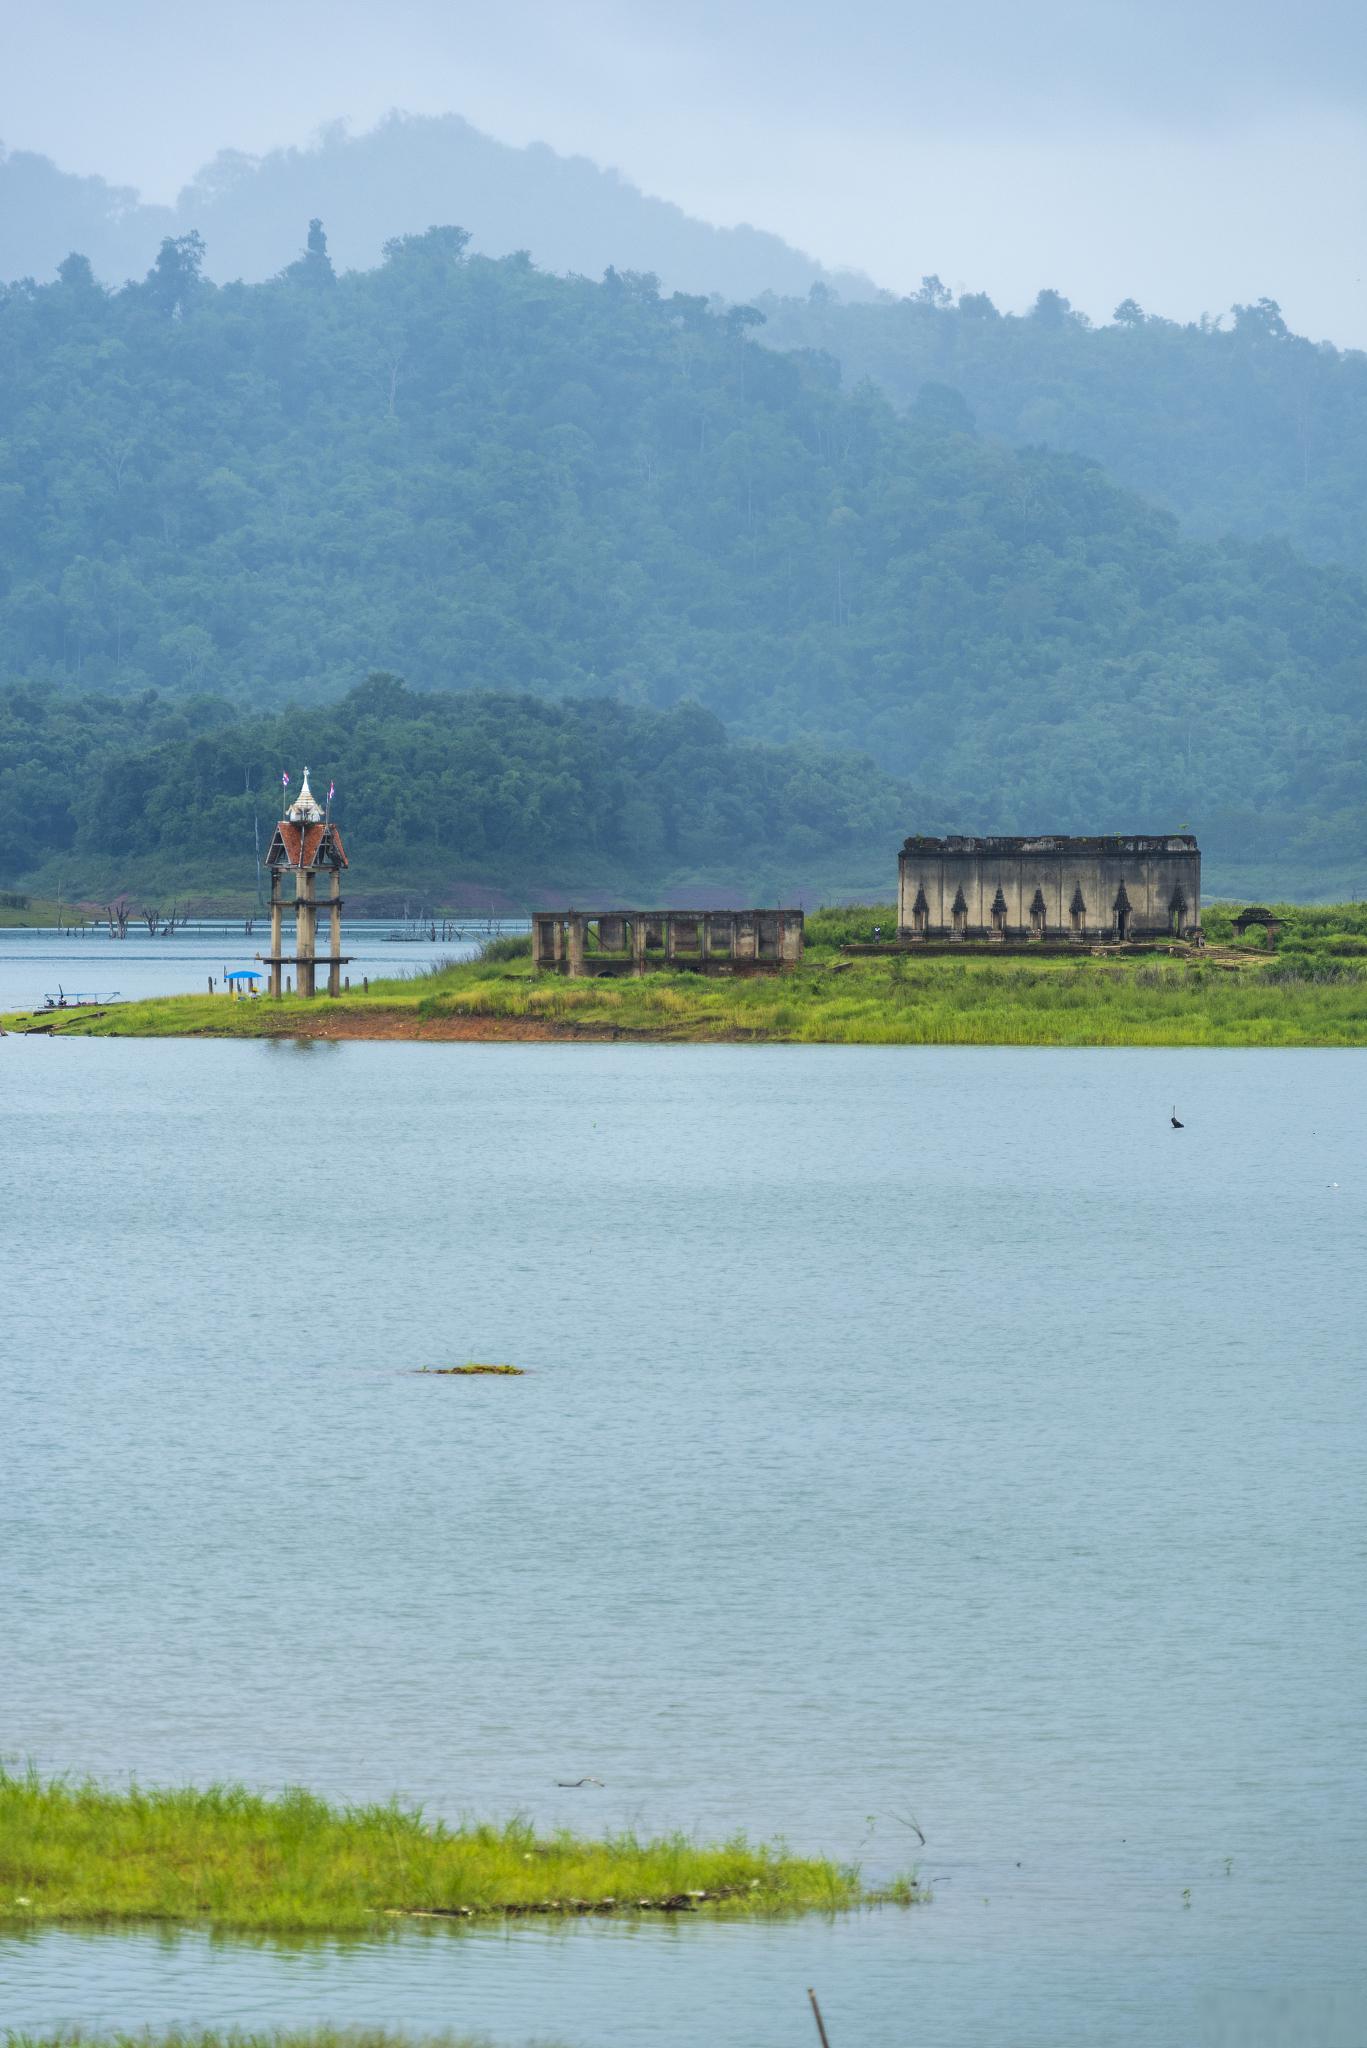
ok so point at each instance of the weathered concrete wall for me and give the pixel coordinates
(999, 880)
(709, 941)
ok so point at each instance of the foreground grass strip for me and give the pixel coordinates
(235, 1858)
(262, 2037)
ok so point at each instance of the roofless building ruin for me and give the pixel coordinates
(1012, 891)
(631, 942)
(306, 844)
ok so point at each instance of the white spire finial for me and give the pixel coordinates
(306, 809)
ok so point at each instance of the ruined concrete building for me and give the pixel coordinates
(635, 941)
(1077, 891)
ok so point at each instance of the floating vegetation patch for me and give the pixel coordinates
(469, 1370)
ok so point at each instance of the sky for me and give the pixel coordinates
(1186, 155)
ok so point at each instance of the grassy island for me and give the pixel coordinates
(246, 2037)
(1312, 991)
(229, 1857)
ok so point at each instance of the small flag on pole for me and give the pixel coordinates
(332, 791)
(285, 779)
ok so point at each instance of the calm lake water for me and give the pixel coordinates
(36, 963)
(907, 1433)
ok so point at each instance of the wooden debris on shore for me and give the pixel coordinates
(669, 1902)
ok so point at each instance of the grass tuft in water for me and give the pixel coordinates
(465, 1371)
(231, 1857)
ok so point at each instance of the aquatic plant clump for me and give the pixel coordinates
(230, 1857)
(471, 1369)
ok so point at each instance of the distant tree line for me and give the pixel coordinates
(434, 784)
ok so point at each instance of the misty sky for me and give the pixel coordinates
(1187, 155)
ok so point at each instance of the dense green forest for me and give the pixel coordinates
(493, 479)
(1237, 425)
(510, 790)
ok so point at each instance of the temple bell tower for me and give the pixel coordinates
(306, 844)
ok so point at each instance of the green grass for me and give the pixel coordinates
(253, 2037)
(18, 912)
(1311, 992)
(229, 1857)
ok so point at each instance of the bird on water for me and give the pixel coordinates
(1175, 1124)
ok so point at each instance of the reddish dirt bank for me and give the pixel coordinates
(406, 1024)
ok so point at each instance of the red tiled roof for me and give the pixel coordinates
(285, 850)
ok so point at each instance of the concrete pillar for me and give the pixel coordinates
(612, 934)
(671, 938)
(277, 935)
(335, 935)
(638, 943)
(305, 917)
(705, 936)
(576, 927)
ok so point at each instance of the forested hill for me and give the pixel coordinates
(486, 478)
(1238, 426)
(436, 792)
(569, 214)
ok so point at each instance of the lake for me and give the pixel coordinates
(908, 1434)
(36, 962)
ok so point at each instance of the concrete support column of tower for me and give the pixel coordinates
(277, 932)
(304, 922)
(335, 936)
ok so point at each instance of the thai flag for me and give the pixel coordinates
(285, 779)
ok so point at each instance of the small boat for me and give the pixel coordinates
(76, 999)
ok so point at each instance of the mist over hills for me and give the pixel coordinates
(488, 478)
(1232, 422)
(1236, 425)
(401, 177)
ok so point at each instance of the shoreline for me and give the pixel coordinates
(335, 1023)
(1312, 991)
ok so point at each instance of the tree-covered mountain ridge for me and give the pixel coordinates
(1235, 423)
(1231, 421)
(489, 478)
